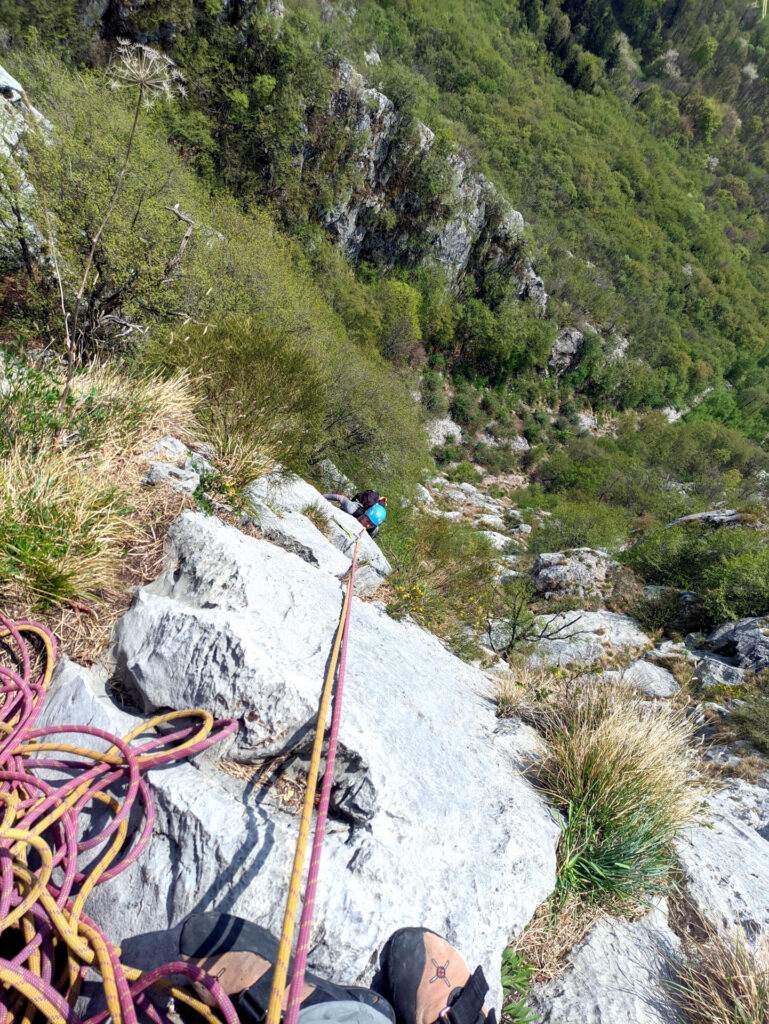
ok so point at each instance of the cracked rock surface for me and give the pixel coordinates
(432, 821)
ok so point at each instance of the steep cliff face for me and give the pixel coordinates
(410, 198)
(395, 213)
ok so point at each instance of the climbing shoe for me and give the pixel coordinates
(240, 955)
(426, 980)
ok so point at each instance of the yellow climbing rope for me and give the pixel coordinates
(289, 918)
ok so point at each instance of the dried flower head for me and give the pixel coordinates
(142, 67)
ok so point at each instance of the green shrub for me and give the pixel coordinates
(581, 524)
(738, 586)
(750, 715)
(433, 396)
(442, 574)
(464, 473)
(729, 566)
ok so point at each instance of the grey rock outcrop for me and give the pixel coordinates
(725, 867)
(715, 671)
(567, 350)
(290, 496)
(242, 627)
(177, 478)
(746, 802)
(439, 431)
(746, 642)
(477, 230)
(585, 636)
(619, 973)
(651, 680)
(579, 572)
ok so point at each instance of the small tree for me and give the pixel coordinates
(153, 76)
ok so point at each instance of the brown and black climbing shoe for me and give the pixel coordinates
(240, 955)
(426, 980)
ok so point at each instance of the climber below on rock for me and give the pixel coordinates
(421, 978)
(368, 507)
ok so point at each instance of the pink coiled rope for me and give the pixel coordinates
(42, 889)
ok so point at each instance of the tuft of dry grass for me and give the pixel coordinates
(77, 532)
(317, 517)
(552, 933)
(62, 530)
(724, 980)
(622, 770)
(241, 461)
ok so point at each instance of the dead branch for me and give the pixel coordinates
(174, 262)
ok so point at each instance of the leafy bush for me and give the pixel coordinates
(581, 524)
(464, 473)
(433, 396)
(620, 770)
(729, 566)
(442, 574)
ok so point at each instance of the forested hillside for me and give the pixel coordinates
(638, 160)
(630, 137)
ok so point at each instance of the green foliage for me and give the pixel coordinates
(750, 717)
(441, 576)
(727, 565)
(517, 977)
(581, 524)
(401, 335)
(433, 396)
(464, 473)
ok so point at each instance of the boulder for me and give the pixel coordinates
(713, 670)
(532, 287)
(651, 680)
(244, 628)
(715, 517)
(296, 533)
(746, 642)
(725, 868)
(497, 540)
(585, 636)
(579, 572)
(490, 522)
(722, 756)
(186, 481)
(286, 494)
(423, 495)
(443, 429)
(567, 350)
(334, 479)
(620, 974)
(168, 447)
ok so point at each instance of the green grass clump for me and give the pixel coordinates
(62, 532)
(620, 771)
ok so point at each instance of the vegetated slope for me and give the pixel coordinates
(234, 302)
(634, 227)
(619, 176)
